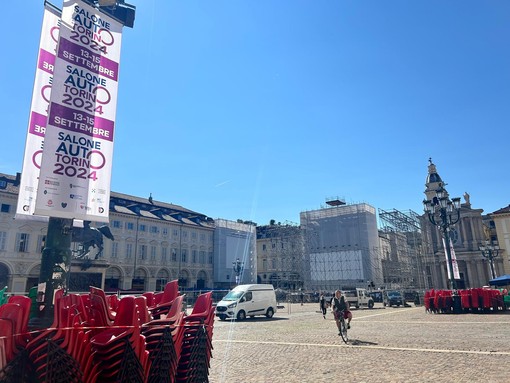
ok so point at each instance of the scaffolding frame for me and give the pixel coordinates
(403, 266)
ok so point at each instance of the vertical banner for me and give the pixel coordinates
(456, 274)
(38, 112)
(78, 146)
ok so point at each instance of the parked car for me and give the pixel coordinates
(376, 295)
(247, 300)
(358, 298)
(392, 298)
(410, 296)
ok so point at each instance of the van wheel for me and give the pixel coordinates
(370, 304)
(270, 312)
(241, 315)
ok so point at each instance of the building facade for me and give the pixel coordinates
(280, 256)
(154, 242)
(501, 219)
(341, 247)
(467, 236)
(235, 252)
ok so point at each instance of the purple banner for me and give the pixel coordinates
(80, 122)
(46, 61)
(37, 124)
(85, 58)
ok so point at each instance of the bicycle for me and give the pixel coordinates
(343, 327)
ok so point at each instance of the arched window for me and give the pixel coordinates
(201, 280)
(138, 283)
(112, 279)
(161, 279)
(4, 276)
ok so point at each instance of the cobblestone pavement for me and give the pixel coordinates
(385, 345)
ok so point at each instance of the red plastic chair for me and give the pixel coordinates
(97, 292)
(475, 299)
(465, 299)
(156, 298)
(150, 297)
(202, 308)
(170, 292)
(26, 304)
(98, 312)
(144, 315)
(16, 314)
(6, 334)
(113, 302)
(486, 294)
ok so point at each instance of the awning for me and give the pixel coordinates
(500, 281)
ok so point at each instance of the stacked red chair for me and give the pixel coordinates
(14, 317)
(430, 299)
(194, 361)
(96, 337)
(447, 300)
(497, 300)
(162, 302)
(164, 340)
(472, 300)
(120, 346)
(465, 300)
(439, 301)
(51, 351)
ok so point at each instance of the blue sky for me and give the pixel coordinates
(257, 110)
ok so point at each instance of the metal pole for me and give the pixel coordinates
(55, 267)
(453, 284)
(493, 272)
(136, 251)
(491, 262)
(179, 282)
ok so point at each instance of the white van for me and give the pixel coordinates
(247, 300)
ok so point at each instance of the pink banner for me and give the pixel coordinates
(78, 143)
(38, 113)
(456, 273)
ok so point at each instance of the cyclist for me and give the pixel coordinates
(341, 307)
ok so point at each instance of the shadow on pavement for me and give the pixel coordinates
(357, 342)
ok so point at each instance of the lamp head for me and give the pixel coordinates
(456, 202)
(440, 193)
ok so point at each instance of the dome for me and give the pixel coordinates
(433, 177)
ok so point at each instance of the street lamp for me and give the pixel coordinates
(237, 266)
(444, 213)
(490, 252)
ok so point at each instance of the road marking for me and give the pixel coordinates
(432, 322)
(371, 347)
(388, 312)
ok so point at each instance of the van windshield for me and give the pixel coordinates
(233, 295)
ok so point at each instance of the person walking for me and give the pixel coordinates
(322, 303)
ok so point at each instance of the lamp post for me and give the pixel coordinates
(490, 252)
(56, 256)
(237, 266)
(444, 213)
